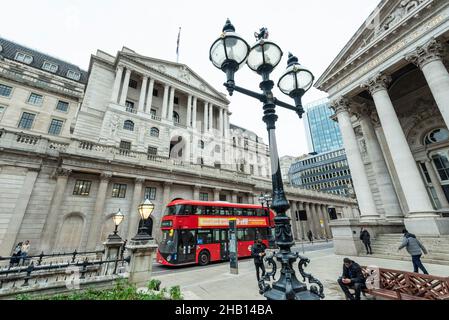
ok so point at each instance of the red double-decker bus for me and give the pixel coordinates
(196, 232)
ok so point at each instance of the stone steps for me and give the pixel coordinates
(385, 246)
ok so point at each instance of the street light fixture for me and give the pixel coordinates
(228, 53)
(145, 210)
(117, 219)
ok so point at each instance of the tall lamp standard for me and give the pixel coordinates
(145, 210)
(229, 53)
(265, 201)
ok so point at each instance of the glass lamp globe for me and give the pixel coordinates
(230, 50)
(118, 218)
(296, 80)
(264, 56)
(146, 209)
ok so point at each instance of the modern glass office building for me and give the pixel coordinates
(323, 134)
(327, 172)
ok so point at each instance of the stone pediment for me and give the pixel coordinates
(178, 71)
(385, 21)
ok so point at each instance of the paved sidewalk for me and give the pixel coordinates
(216, 282)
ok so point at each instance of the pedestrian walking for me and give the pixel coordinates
(258, 253)
(415, 248)
(352, 278)
(310, 236)
(366, 239)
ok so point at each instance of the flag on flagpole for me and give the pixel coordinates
(177, 45)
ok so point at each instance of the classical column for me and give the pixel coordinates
(125, 87)
(171, 104)
(196, 192)
(327, 221)
(300, 207)
(133, 215)
(194, 112)
(116, 87)
(220, 121)
(93, 237)
(143, 92)
(211, 117)
(429, 58)
(226, 126)
(390, 201)
(410, 178)
(355, 161)
(14, 225)
(292, 215)
(205, 118)
(49, 231)
(217, 194)
(165, 101)
(310, 219)
(234, 197)
(319, 219)
(150, 96)
(189, 111)
(437, 185)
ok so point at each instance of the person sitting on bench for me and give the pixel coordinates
(352, 278)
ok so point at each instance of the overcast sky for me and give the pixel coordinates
(314, 30)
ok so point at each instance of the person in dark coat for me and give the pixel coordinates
(15, 258)
(352, 278)
(366, 239)
(310, 236)
(258, 253)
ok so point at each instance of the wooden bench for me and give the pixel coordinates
(402, 285)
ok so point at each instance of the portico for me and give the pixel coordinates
(390, 89)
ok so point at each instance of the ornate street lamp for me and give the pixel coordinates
(117, 219)
(145, 210)
(228, 53)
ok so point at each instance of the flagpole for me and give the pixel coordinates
(177, 47)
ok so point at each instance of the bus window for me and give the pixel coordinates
(221, 211)
(250, 234)
(187, 210)
(216, 235)
(261, 213)
(240, 234)
(238, 211)
(227, 211)
(204, 237)
(251, 212)
(244, 212)
(262, 233)
(200, 210)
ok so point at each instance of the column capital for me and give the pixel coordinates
(431, 51)
(105, 176)
(62, 172)
(139, 180)
(377, 83)
(340, 104)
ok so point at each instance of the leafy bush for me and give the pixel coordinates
(123, 290)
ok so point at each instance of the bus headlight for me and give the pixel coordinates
(169, 258)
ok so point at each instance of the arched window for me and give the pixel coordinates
(175, 117)
(128, 125)
(436, 136)
(154, 132)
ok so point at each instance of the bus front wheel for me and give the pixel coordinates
(204, 258)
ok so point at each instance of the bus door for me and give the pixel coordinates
(224, 244)
(186, 246)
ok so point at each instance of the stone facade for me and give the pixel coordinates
(390, 92)
(146, 128)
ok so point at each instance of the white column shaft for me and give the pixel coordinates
(116, 87)
(150, 96)
(414, 190)
(143, 92)
(206, 111)
(437, 78)
(220, 121)
(165, 101)
(211, 117)
(358, 173)
(194, 111)
(189, 111)
(384, 183)
(171, 104)
(125, 87)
